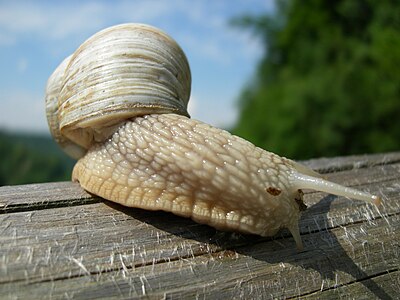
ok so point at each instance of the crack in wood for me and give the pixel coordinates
(35, 206)
(347, 284)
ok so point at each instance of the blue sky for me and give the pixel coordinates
(35, 36)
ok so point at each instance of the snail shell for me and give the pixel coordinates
(119, 73)
(121, 103)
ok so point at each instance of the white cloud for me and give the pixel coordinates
(142, 10)
(50, 20)
(250, 46)
(62, 20)
(203, 13)
(193, 106)
(58, 20)
(6, 39)
(215, 38)
(23, 110)
(213, 110)
(20, 16)
(22, 65)
(210, 48)
(69, 20)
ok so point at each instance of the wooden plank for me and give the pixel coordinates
(380, 285)
(52, 246)
(263, 269)
(330, 165)
(148, 228)
(43, 195)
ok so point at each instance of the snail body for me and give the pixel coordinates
(138, 147)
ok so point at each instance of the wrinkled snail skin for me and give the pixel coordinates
(118, 104)
(172, 163)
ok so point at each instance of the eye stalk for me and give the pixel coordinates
(303, 181)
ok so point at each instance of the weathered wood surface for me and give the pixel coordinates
(57, 241)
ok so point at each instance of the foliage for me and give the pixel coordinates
(329, 82)
(29, 159)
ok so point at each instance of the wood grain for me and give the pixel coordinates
(57, 241)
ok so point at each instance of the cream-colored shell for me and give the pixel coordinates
(119, 73)
(53, 89)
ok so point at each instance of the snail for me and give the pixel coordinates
(118, 104)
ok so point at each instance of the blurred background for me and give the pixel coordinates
(302, 78)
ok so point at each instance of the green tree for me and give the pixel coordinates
(30, 159)
(329, 82)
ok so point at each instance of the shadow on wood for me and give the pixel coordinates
(327, 261)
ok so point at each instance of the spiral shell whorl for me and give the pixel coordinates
(119, 73)
(53, 88)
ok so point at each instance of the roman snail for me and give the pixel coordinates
(118, 104)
